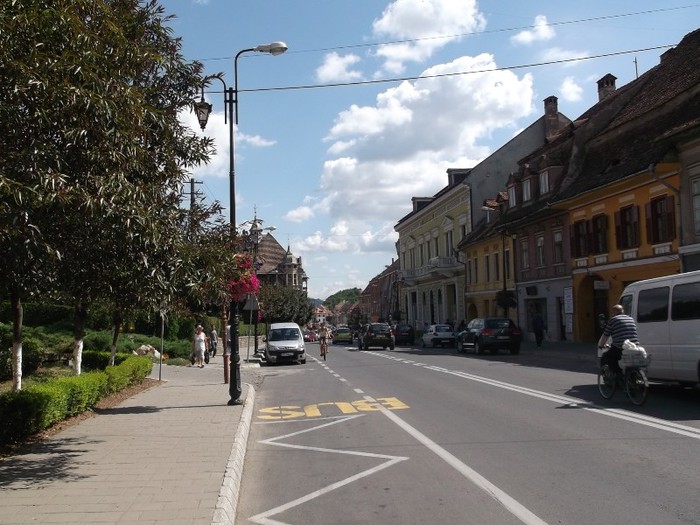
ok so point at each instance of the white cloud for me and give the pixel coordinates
(300, 214)
(555, 54)
(381, 155)
(429, 24)
(541, 31)
(337, 68)
(570, 90)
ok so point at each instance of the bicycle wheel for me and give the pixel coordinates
(607, 382)
(636, 386)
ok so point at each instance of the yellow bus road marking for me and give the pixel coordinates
(345, 408)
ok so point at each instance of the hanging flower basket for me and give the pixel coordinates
(244, 281)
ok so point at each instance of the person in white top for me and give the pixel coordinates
(199, 345)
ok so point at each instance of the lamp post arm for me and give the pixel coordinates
(235, 78)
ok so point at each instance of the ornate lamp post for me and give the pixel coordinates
(203, 109)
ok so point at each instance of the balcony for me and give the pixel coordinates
(437, 268)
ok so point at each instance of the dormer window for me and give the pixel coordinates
(544, 182)
(512, 201)
(526, 190)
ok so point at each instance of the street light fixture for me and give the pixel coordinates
(203, 109)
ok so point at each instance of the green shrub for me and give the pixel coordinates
(51, 404)
(133, 370)
(97, 341)
(83, 391)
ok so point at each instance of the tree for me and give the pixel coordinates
(90, 134)
(284, 304)
(350, 295)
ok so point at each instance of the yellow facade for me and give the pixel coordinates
(598, 280)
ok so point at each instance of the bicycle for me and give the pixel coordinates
(633, 378)
(324, 348)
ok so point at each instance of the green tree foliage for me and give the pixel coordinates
(94, 155)
(284, 304)
(350, 295)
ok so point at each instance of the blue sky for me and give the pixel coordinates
(333, 169)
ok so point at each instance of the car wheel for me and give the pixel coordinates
(303, 361)
(391, 347)
(422, 342)
(477, 348)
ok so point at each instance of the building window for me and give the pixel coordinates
(627, 227)
(412, 253)
(524, 254)
(526, 190)
(448, 243)
(496, 267)
(600, 234)
(544, 182)
(437, 247)
(476, 270)
(661, 224)
(487, 268)
(539, 245)
(558, 238)
(579, 245)
(696, 205)
(512, 201)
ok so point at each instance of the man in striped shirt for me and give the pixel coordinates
(619, 328)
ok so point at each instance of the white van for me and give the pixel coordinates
(285, 342)
(667, 312)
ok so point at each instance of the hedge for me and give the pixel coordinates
(40, 406)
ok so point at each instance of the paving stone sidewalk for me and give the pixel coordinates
(172, 454)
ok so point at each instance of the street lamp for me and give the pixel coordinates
(203, 109)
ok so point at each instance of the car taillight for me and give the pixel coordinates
(488, 331)
(515, 331)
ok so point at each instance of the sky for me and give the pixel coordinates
(375, 99)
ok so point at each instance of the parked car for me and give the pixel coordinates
(342, 335)
(285, 342)
(404, 334)
(438, 335)
(490, 333)
(376, 334)
(310, 336)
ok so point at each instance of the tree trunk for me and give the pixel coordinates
(79, 318)
(17, 315)
(117, 321)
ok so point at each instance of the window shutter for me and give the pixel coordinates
(618, 231)
(635, 227)
(651, 238)
(671, 218)
(588, 227)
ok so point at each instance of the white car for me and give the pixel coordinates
(438, 335)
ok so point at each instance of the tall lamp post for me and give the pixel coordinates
(203, 109)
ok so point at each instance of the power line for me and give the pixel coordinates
(472, 33)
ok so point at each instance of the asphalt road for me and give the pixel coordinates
(416, 436)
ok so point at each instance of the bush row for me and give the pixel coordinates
(39, 406)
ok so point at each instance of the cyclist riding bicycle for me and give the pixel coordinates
(618, 328)
(323, 337)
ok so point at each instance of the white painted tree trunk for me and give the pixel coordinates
(77, 356)
(17, 366)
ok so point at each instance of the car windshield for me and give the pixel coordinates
(283, 334)
(343, 331)
(443, 328)
(497, 323)
(380, 329)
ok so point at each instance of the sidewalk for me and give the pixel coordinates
(172, 454)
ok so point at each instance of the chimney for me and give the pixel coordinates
(551, 117)
(606, 86)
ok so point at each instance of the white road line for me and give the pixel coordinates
(618, 413)
(264, 517)
(509, 503)
(359, 391)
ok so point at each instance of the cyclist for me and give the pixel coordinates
(323, 338)
(620, 327)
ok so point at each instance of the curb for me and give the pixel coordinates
(227, 503)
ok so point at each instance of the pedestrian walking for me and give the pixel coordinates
(199, 346)
(213, 341)
(538, 328)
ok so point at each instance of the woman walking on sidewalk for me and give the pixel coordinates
(199, 345)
